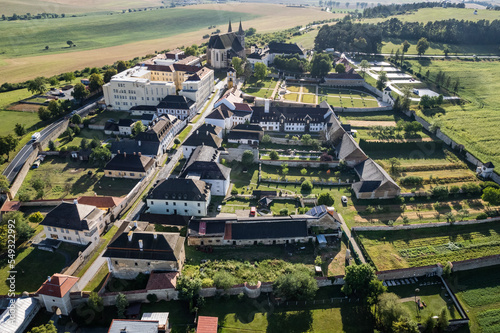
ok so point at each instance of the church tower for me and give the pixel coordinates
(241, 35)
(229, 29)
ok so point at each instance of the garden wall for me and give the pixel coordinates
(234, 154)
(377, 109)
(18, 181)
(300, 164)
(405, 273)
(70, 270)
(465, 265)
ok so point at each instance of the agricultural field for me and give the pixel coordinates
(478, 291)
(305, 40)
(419, 247)
(479, 87)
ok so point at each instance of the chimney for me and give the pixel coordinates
(207, 133)
(134, 153)
(49, 278)
(75, 201)
(129, 235)
(139, 143)
(197, 132)
(266, 105)
(139, 153)
(118, 152)
(155, 235)
(124, 154)
(135, 224)
(140, 244)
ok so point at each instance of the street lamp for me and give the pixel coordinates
(418, 308)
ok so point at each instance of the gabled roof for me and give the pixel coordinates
(132, 146)
(489, 165)
(372, 176)
(158, 129)
(225, 41)
(71, 216)
(100, 202)
(237, 135)
(201, 228)
(271, 229)
(58, 286)
(220, 113)
(202, 163)
(206, 135)
(286, 48)
(248, 127)
(125, 122)
(207, 324)
(175, 102)
(181, 189)
(348, 149)
(130, 162)
(317, 114)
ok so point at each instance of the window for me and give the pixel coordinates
(64, 237)
(76, 232)
(132, 174)
(199, 211)
(69, 238)
(152, 202)
(135, 264)
(174, 203)
(116, 262)
(67, 231)
(185, 210)
(166, 203)
(185, 204)
(48, 228)
(198, 204)
(168, 211)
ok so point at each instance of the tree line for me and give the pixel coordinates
(399, 9)
(28, 16)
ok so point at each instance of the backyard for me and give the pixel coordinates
(336, 97)
(263, 88)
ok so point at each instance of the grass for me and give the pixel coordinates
(98, 280)
(295, 89)
(9, 97)
(277, 205)
(420, 247)
(32, 266)
(305, 40)
(102, 117)
(308, 98)
(97, 31)
(65, 177)
(258, 92)
(292, 97)
(85, 133)
(106, 238)
(10, 118)
(183, 135)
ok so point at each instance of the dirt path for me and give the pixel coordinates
(403, 140)
(366, 123)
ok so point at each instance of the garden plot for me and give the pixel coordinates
(398, 76)
(388, 69)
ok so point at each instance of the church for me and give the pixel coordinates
(223, 47)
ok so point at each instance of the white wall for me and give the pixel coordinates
(180, 207)
(76, 236)
(124, 94)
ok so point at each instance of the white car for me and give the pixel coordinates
(344, 199)
(219, 208)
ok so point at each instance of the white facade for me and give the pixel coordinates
(126, 130)
(134, 87)
(187, 150)
(198, 88)
(179, 207)
(64, 303)
(222, 123)
(96, 227)
(179, 113)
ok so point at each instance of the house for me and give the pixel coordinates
(204, 164)
(349, 151)
(222, 48)
(19, 314)
(161, 317)
(103, 203)
(485, 170)
(205, 135)
(111, 128)
(133, 326)
(301, 119)
(135, 166)
(55, 293)
(74, 223)
(207, 324)
(267, 54)
(134, 250)
(140, 110)
(125, 126)
(148, 118)
(249, 128)
(229, 111)
(176, 196)
(326, 218)
(177, 106)
(374, 182)
(249, 231)
(250, 134)
(348, 79)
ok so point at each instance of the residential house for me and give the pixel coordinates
(374, 182)
(176, 196)
(204, 164)
(222, 48)
(125, 126)
(148, 118)
(161, 317)
(140, 110)
(74, 223)
(135, 166)
(229, 111)
(206, 134)
(134, 250)
(55, 293)
(250, 134)
(177, 106)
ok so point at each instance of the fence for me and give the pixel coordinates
(298, 182)
(301, 163)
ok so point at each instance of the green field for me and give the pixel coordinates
(308, 98)
(438, 48)
(305, 40)
(97, 31)
(420, 247)
(479, 86)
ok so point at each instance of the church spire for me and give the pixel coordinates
(229, 29)
(240, 30)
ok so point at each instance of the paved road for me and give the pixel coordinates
(17, 162)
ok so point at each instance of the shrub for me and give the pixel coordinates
(296, 285)
(266, 138)
(273, 155)
(284, 212)
(152, 298)
(471, 188)
(489, 184)
(207, 283)
(411, 181)
(36, 217)
(234, 191)
(325, 198)
(482, 216)
(306, 186)
(224, 280)
(441, 192)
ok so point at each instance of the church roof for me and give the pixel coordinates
(225, 41)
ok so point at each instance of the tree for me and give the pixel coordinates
(405, 325)
(382, 80)
(121, 305)
(406, 46)
(273, 155)
(247, 157)
(80, 91)
(395, 164)
(188, 288)
(121, 66)
(192, 50)
(52, 145)
(70, 43)
(325, 198)
(7, 144)
(35, 217)
(224, 280)
(266, 138)
(303, 171)
(95, 302)
(177, 141)
(84, 144)
(306, 186)
(306, 139)
(4, 184)
(38, 85)
(110, 72)
(321, 65)
(422, 46)
(250, 32)
(491, 196)
(47, 328)
(260, 71)
(53, 81)
(76, 119)
(429, 325)
(442, 322)
(69, 77)
(247, 70)
(440, 192)
(284, 212)
(138, 128)
(100, 156)
(95, 82)
(237, 65)
(297, 285)
(361, 281)
(95, 143)
(19, 129)
(364, 65)
(46, 47)
(22, 228)
(340, 68)
(389, 310)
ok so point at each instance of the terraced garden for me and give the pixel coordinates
(263, 88)
(419, 247)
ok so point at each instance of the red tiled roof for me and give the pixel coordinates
(11, 206)
(207, 324)
(100, 202)
(58, 286)
(162, 281)
(242, 107)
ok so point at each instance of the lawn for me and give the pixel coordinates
(102, 117)
(369, 116)
(479, 86)
(295, 89)
(305, 40)
(308, 98)
(98, 280)
(420, 247)
(77, 139)
(9, 97)
(277, 205)
(97, 31)
(292, 97)
(65, 177)
(258, 92)
(10, 118)
(185, 132)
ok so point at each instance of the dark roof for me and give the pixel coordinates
(202, 163)
(175, 102)
(206, 135)
(257, 55)
(286, 48)
(346, 127)
(260, 193)
(371, 176)
(237, 135)
(220, 113)
(147, 116)
(157, 130)
(143, 108)
(71, 216)
(366, 186)
(111, 126)
(209, 228)
(317, 211)
(132, 146)
(125, 122)
(387, 89)
(291, 114)
(180, 189)
(489, 165)
(248, 127)
(265, 201)
(348, 149)
(271, 229)
(225, 41)
(351, 75)
(167, 246)
(130, 162)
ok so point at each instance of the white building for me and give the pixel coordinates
(177, 106)
(55, 293)
(74, 223)
(267, 54)
(198, 86)
(134, 87)
(205, 135)
(175, 196)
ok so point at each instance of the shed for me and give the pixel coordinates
(321, 240)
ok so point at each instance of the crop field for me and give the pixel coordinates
(262, 17)
(420, 247)
(479, 86)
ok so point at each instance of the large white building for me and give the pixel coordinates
(267, 54)
(198, 86)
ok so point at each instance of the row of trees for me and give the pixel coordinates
(397, 9)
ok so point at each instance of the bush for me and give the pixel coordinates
(152, 298)
(482, 216)
(489, 184)
(411, 181)
(273, 155)
(296, 285)
(306, 186)
(471, 188)
(440, 192)
(36, 217)
(266, 138)
(284, 212)
(207, 283)
(234, 191)
(224, 280)
(326, 198)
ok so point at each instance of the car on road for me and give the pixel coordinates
(344, 199)
(253, 211)
(219, 208)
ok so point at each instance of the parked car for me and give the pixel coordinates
(344, 199)
(219, 208)
(253, 211)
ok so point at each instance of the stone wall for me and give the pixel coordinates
(377, 109)
(70, 270)
(300, 164)
(465, 265)
(236, 154)
(405, 273)
(18, 181)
